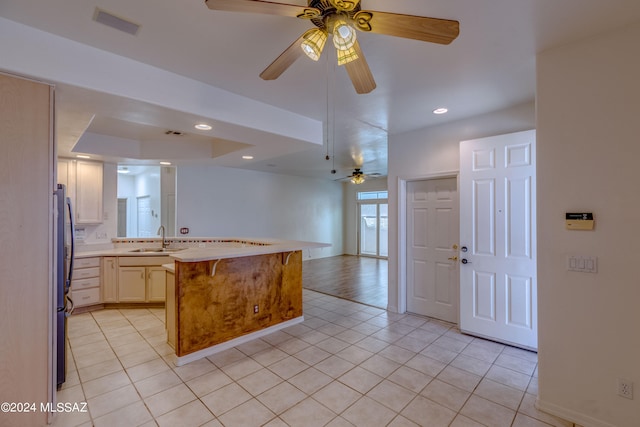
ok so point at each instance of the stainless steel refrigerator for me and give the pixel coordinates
(64, 241)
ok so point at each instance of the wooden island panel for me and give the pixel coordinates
(213, 310)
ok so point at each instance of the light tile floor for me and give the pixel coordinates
(348, 364)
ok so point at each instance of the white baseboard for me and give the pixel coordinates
(192, 357)
(570, 415)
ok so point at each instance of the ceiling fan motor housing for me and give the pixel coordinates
(327, 9)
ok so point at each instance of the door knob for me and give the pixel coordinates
(454, 246)
(465, 261)
(453, 258)
(464, 249)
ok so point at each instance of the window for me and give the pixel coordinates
(373, 195)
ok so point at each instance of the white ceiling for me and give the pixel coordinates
(489, 67)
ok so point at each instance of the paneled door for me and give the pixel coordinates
(498, 289)
(144, 216)
(432, 237)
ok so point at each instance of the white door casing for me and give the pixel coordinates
(432, 237)
(498, 287)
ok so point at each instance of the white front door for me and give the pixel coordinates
(432, 237)
(498, 288)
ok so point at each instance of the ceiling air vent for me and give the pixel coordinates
(174, 133)
(114, 22)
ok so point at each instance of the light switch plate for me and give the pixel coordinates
(583, 264)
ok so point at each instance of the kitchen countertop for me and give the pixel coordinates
(196, 254)
(118, 252)
(275, 246)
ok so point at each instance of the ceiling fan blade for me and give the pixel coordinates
(434, 30)
(284, 61)
(267, 7)
(360, 73)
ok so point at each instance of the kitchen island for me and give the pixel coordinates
(232, 292)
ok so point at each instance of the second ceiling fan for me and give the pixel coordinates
(340, 19)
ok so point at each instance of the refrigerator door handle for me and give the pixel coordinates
(72, 255)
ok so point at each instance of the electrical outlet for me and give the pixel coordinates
(256, 309)
(625, 388)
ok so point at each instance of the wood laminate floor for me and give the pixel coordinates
(355, 278)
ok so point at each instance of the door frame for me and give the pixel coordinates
(402, 232)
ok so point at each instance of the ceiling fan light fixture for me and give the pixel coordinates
(344, 36)
(346, 56)
(314, 41)
(357, 179)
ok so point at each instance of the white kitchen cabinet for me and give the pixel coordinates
(156, 284)
(67, 177)
(89, 186)
(141, 279)
(109, 279)
(85, 284)
(84, 182)
(132, 284)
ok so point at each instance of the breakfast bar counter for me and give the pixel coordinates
(227, 295)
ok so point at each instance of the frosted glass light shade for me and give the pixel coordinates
(344, 36)
(313, 43)
(346, 56)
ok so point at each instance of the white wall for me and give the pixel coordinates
(225, 202)
(435, 150)
(351, 210)
(588, 147)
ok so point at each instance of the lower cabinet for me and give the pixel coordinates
(114, 279)
(109, 279)
(141, 279)
(132, 284)
(85, 285)
(156, 284)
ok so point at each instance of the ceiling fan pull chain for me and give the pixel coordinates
(327, 116)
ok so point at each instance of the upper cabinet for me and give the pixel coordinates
(84, 181)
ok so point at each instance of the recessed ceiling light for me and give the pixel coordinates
(441, 110)
(165, 163)
(123, 170)
(247, 157)
(203, 126)
(83, 156)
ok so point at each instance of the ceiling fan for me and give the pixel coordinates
(358, 177)
(341, 18)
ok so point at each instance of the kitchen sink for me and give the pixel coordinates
(158, 250)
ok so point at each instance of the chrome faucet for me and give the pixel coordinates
(161, 232)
